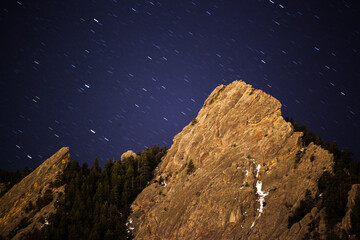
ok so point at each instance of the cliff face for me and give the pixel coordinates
(250, 173)
(20, 209)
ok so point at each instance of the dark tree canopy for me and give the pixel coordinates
(9, 179)
(97, 201)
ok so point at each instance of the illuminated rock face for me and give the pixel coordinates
(251, 171)
(16, 215)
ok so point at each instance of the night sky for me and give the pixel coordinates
(106, 76)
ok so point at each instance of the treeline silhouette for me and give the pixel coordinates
(8, 179)
(333, 187)
(96, 203)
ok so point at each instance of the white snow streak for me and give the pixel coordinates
(262, 196)
(257, 170)
(252, 224)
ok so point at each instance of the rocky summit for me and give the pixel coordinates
(237, 171)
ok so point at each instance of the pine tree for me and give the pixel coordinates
(190, 168)
(96, 166)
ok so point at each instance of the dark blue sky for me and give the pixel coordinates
(103, 77)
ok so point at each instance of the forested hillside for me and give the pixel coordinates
(96, 203)
(97, 200)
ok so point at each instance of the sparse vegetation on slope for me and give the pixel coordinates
(190, 168)
(193, 122)
(305, 206)
(333, 188)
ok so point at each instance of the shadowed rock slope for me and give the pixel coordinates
(250, 172)
(27, 204)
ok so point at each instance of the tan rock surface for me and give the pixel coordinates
(246, 181)
(14, 202)
(353, 194)
(127, 154)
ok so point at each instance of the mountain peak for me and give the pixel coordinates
(232, 172)
(235, 117)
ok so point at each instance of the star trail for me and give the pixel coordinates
(103, 77)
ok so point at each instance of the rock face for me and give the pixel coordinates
(353, 194)
(18, 213)
(127, 154)
(245, 182)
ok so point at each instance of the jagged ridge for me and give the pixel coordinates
(239, 142)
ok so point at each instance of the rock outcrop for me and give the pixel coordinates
(20, 209)
(250, 172)
(353, 195)
(127, 154)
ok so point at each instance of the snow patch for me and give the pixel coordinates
(262, 196)
(130, 228)
(257, 170)
(253, 223)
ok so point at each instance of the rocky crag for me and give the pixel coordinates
(27, 204)
(237, 171)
